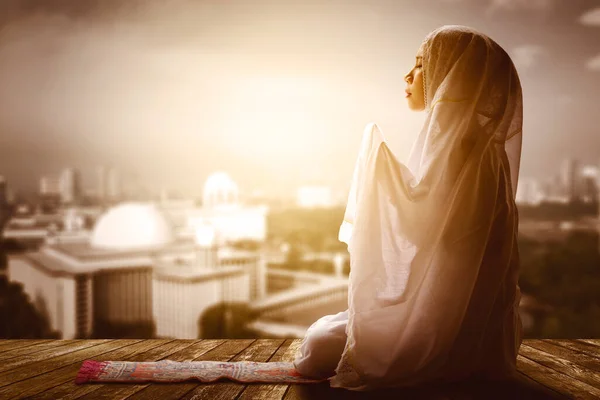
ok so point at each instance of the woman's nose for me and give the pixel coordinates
(408, 78)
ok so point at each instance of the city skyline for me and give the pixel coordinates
(107, 183)
(169, 94)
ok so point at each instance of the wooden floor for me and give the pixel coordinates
(46, 369)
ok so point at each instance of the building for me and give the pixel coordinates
(221, 209)
(3, 191)
(104, 284)
(109, 185)
(571, 179)
(70, 186)
(49, 186)
(220, 191)
(590, 187)
(529, 192)
(182, 294)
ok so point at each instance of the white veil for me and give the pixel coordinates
(433, 291)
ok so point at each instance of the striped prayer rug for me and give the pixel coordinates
(203, 371)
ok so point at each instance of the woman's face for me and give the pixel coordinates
(414, 84)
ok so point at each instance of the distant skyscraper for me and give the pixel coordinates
(3, 191)
(4, 215)
(571, 179)
(49, 186)
(70, 186)
(108, 184)
(589, 180)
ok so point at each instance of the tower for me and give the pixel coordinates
(571, 179)
(69, 186)
(3, 191)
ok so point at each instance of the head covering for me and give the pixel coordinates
(433, 291)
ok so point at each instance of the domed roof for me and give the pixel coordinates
(220, 189)
(130, 226)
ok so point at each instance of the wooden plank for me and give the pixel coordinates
(581, 347)
(45, 355)
(260, 351)
(285, 352)
(576, 357)
(520, 387)
(517, 387)
(158, 349)
(225, 352)
(595, 342)
(325, 391)
(29, 370)
(205, 349)
(8, 345)
(536, 390)
(53, 344)
(563, 366)
(556, 381)
(47, 374)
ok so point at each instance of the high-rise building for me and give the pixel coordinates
(3, 191)
(108, 184)
(70, 185)
(589, 178)
(4, 214)
(571, 179)
(49, 186)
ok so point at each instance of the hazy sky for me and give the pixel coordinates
(275, 92)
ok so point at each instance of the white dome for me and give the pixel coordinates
(220, 189)
(132, 225)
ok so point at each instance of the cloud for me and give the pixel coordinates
(515, 5)
(593, 63)
(591, 17)
(527, 56)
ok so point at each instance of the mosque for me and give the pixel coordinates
(222, 209)
(142, 267)
(155, 269)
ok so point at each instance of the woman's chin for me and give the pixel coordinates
(414, 107)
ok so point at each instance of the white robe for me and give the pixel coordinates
(433, 292)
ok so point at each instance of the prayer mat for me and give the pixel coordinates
(203, 371)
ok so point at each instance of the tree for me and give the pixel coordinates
(225, 321)
(565, 276)
(20, 319)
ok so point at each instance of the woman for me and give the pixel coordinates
(433, 292)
